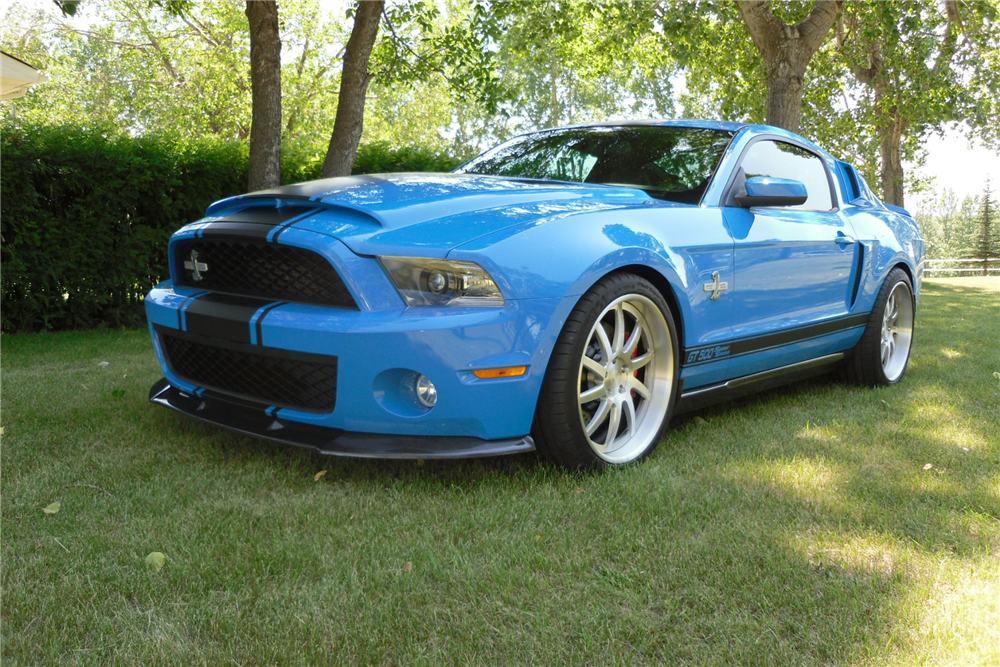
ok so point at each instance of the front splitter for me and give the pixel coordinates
(335, 442)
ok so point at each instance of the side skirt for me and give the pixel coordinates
(751, 384)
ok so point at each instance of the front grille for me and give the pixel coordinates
(265, 270)
(273, 377)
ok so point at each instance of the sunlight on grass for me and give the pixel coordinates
(817, 433)
(938, 412)
(951, 353)
(984, 283)
(958, 614)
(811, 480)
(871, 553)
(950, 608)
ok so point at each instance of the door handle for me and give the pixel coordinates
(843, 240)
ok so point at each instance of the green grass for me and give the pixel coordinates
(798, 527)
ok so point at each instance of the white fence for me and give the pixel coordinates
(943, 266)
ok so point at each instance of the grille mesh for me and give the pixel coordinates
(263, 270)
(307, 382)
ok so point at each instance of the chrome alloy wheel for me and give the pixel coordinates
(626, 378)
(897, 331)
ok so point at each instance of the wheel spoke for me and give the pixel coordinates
(638, 387)
(619, 333)
(595, 367)
(602, 339)
(592, 394)
(633, 341)
(599, 417)
(613, 423)
(641, 361)
(629, 409)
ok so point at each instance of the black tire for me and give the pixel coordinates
(881, 356)
(633, 379)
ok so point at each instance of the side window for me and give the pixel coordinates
(781, 160)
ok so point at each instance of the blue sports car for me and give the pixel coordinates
(567, 291)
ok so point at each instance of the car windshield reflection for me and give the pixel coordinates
(673, 163)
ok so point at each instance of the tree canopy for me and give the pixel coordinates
(870, 80)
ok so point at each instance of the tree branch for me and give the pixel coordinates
(164, 56)
(765, 28)
(814, 28)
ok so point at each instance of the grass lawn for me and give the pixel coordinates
(814, 525)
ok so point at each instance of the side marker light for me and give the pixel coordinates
(493, 373)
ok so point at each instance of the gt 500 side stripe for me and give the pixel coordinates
(703, 354)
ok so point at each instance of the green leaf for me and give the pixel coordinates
(53, 508)
(155, 561)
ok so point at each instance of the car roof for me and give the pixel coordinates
(725, 126)
(681, 122)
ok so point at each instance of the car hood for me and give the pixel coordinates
(430, 214)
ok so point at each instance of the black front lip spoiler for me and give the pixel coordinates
(335, 442)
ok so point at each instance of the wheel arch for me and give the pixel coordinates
(664, 287)
(906, 269)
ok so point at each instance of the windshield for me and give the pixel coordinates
(674, 163)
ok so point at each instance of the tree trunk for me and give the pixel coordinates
(354, 80)
(890, 137)
(265, 80)
(784, 91)
(786, 51)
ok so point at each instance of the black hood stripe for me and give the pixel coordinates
(278, 231)
(181, 324)
(255, 222)
(223, 316)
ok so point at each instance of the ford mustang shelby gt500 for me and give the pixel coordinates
(568, 291)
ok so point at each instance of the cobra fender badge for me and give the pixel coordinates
(197, 268)
(716, 287)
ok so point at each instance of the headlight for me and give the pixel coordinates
(438, 282)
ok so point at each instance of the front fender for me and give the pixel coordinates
(564, 257)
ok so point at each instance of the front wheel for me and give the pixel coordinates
(882, 354)
(612, 380)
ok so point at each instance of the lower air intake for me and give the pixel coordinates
(272, 377)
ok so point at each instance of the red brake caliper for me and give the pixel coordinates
(635, 353)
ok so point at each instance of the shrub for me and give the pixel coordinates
(86, 220)
(86, 216)
(380, 158)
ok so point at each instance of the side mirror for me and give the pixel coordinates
(767, 191)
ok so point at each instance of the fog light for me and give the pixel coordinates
(427, 393)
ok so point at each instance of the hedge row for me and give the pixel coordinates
(86, 217)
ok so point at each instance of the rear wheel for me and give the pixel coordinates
(882, 354)
(612, 380)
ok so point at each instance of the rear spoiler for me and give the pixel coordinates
(898, 209)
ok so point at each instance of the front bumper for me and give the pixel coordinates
(336, 442)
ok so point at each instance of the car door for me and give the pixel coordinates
(794, 265)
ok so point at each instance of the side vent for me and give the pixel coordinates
(860, 267)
